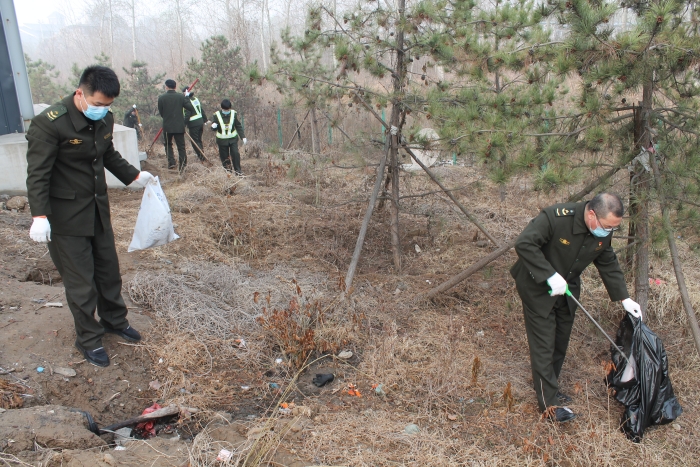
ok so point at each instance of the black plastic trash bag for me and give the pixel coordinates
(643, 386)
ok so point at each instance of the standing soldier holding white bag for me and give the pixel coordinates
(70, 145)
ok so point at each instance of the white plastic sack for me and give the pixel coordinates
(154, 225)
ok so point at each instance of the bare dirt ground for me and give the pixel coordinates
(245, 308)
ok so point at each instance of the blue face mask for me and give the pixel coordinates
(600, 232)
(225, 112)
(95, 112)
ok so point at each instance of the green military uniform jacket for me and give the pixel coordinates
(170, 106)
(226, 119)
(557, 240)
(198, 122)
(66, 159)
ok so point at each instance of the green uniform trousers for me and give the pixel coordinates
(89, 267)
(548, 339)
(181, 149)
(196, 135)
(229, 155)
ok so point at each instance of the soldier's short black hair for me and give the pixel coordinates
(100, 78)
(606, 203)
(170, 83)
(225, 104)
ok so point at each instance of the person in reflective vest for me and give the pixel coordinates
(195, 123)
(228, 130)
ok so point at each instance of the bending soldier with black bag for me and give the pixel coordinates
(228, 129)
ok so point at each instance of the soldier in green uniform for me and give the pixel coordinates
(70, 145)
(553, 251)
(228, 129)
(171, 106)
(195, 123)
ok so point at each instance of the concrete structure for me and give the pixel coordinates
(13, 157)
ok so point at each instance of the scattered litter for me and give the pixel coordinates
(321, 379)
(274, 386)
(480, 334)
(245, 388)
(55, 304)
(676, 427)
(418, 250)
(40, 369)
(120, 448)
(155, 385)
(345, 354)
(284, 411)
(69, 372)
(38, 300)
(412, 429)
(147, 429)
(379, 389)
(122, 435)
(160, 360)
(224, 455)
(240, 343)
(278, 361)
(353, 391)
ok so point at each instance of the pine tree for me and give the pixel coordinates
(42, 82)
(221, 76)
(142, 89)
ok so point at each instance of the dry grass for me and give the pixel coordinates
(298, 219)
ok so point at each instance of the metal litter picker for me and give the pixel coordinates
(569, 294)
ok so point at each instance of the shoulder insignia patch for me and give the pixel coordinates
(107, 136)
(599, 247)
(75, 141)
(564, 241)
(560, 212)
(56, 111)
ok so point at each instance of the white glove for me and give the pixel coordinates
(214, 125)
(187, 94)
(632, 308)
(394, 130)
(41, 230)
(245, 141)
(134, 106)
(140, 124)
(144, 178)
(558, 284)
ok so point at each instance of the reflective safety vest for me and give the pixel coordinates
(197, 108)
(227, 130)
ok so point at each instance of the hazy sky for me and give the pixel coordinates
(35, 11)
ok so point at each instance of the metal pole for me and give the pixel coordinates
(597, 325)
(19, 67)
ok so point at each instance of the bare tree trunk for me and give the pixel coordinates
(111, 34)
(262, 34)
(398, 79)
(365, 223)
(640, 202)
(315, 142)
(677, 267)
(180, 32)
(133, 28)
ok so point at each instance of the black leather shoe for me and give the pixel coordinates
(127, 333)
(97, 357)
(564, 414)
(563, 398)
